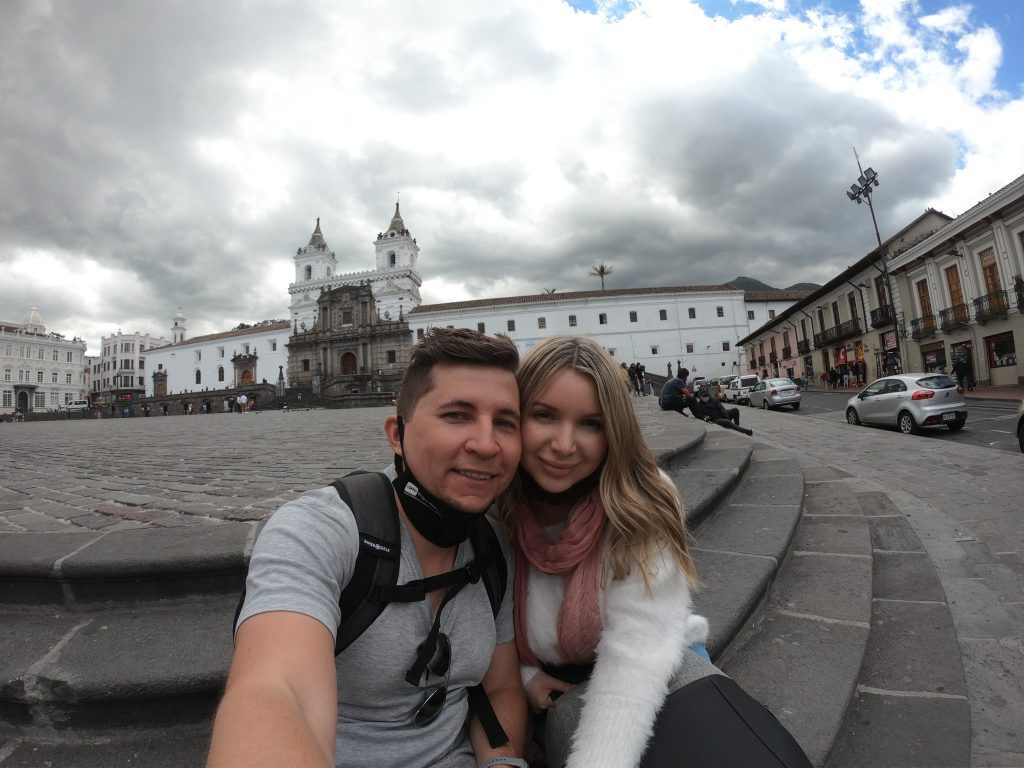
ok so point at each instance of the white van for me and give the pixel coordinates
(739, 388)
(76, 406)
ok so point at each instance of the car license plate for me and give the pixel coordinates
(948, 416)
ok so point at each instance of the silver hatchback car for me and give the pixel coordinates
(909, 402)
(772, 392)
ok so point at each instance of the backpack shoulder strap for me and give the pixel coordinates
(370, 497)
(490, 560)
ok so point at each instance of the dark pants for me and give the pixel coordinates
(733, 422)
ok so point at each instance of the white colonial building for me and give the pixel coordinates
(217, 361)
(41, 371)
(394, 280)
(698, 325)
(119, 373)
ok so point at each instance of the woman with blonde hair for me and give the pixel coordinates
(603, 573)
(604, 577)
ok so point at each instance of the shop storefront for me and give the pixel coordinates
(963, 351)
(890, 353)
(933, 357)
(1002, 358)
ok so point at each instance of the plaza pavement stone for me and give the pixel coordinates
(272, 457)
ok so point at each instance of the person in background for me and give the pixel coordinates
(710, 408)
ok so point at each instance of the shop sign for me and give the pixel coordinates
(890, 340)
(841, 356)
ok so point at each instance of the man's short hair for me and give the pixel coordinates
(452, 346)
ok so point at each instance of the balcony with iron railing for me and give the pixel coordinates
(881, 316)
(803, 346)
(921, 327)
(773, 357)
(787, 352)
(760, 361)
(954, 317)
(991, 306)
(841, 332)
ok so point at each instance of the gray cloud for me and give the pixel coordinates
(106, 104)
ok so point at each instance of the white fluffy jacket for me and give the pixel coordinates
(643, 637)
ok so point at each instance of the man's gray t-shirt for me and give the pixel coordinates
(302, 560)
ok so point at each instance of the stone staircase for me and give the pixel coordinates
(114, 647)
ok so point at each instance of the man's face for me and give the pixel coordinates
(462, 439)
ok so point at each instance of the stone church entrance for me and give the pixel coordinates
(349, 364)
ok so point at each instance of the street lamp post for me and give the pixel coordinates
(861, 193)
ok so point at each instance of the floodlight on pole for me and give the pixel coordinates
(861, 193)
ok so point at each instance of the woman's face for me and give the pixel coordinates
(563, 432)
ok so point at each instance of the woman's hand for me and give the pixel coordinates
(540, 688)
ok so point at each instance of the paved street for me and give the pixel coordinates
(990, 423)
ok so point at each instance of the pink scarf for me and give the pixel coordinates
(577, 555)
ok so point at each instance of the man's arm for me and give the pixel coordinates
(505, 690)
(281, 700)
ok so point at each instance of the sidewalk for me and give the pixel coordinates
(963, 502)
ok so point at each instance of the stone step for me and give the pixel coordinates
(181, 747)
(910, 706)
(739, 549)
(161, 665)
(75, 568)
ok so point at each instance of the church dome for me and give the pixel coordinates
(32, 317)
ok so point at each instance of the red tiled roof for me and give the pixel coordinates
(505, 301)
(285, 325)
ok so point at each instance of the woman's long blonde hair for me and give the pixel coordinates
(643, 508)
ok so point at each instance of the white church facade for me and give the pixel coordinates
(394, 280)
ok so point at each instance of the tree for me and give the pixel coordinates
(601, 271)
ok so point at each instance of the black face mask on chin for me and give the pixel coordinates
(436, 521)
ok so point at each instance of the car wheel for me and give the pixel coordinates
(852, 417)
(905, 422)
(764, 404)
(956, 426)
(796, 406)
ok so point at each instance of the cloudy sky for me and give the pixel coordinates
(166, 153)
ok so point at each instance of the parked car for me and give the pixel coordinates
(739, 388)
(909, 402)
(697, 381)
(719, 385)
(1020, 426)
(75, 406)
(770, 393)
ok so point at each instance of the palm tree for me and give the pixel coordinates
(601, 271)
(550, 290)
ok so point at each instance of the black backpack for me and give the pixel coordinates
(374, 579)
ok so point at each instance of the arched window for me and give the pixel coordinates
(199, 376)
(391, 259)
(220, 373)
(309, 273)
